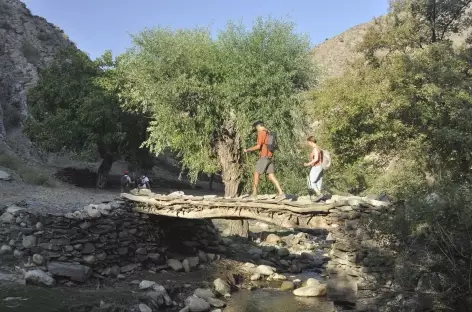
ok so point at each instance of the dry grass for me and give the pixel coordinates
(29, 174)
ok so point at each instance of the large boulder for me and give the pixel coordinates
(315, 289)
(75, 272)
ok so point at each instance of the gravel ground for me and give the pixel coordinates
(55, 200)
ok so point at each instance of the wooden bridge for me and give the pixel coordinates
(289, 213)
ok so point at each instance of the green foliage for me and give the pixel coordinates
(412, 104)
(399, 121)
(204, 94)
(29, 174)
(74, 106)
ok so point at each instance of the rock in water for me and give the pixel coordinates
(265, 270)
(5, 250)
(287, 285)
(146, 284)
(221, 286)
(144, 308)
(175, 265)
(197, 304)
(4, 176)
(75, 272)
(38, 277)
(204, 293)
(311, 291)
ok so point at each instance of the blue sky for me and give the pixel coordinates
(97, 25)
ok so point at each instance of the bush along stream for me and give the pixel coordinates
(108, 257)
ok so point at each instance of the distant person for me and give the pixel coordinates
(144, 182)
(316, 172)
(266, 145)
(125, 182)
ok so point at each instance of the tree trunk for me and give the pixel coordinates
(229, 154)
(104, 171)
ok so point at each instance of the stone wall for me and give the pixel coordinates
(360, 269)
(107, 239)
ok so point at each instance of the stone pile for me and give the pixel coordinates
(108, 239)
(291, 253)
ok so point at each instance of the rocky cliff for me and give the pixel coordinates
(27, 44)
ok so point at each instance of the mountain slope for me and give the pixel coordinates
(27, 44)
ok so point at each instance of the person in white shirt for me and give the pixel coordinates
(316, 171)
(144, 183)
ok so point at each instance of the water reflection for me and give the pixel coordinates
(266, 300)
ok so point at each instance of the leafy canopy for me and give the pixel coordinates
(408, 106)
(204, 94)
(74, 106)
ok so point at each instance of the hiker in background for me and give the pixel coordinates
(125, 182)
(144, 182)
(266, 145)
(316, 171)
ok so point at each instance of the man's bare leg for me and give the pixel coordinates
(256, 184)
(274, 181)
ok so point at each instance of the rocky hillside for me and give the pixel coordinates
(27, 44)
(334, 54)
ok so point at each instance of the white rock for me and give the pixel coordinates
(18, 254)
(196, 304)
(279, 277)
(15, 210)
(311, 291)
(146, 284)
(221, 286)
(38, 259)
(178, 193)
(312, 282)
(175, 265)
(255, 277)
(144, 308)
(7, 218)
(249, 265)
(5, 250)
(4, 176)
(265, 270)
(186, 265)
(39, 277)
(92, 211)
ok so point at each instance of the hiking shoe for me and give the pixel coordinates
(280, 197)
(252, 197)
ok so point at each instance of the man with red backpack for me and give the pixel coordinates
(266, 145)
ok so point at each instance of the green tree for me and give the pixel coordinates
(204, 94)
(74, 106)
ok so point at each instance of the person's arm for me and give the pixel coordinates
(258, 146)
(315, 159)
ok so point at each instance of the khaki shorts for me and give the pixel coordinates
(265, 165)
